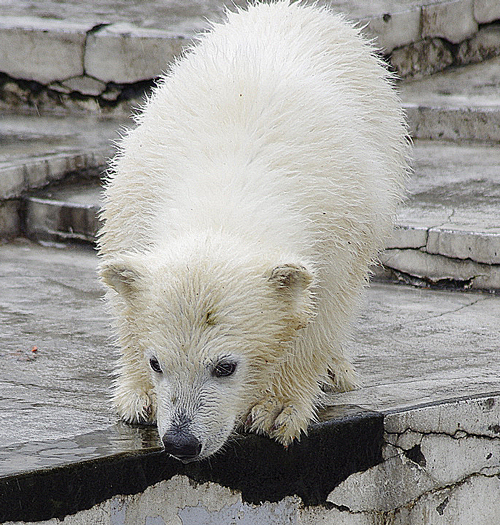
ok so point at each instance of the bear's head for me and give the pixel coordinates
(210, 333)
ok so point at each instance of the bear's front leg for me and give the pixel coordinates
(282, 418)
(133, 395)
(289, 405)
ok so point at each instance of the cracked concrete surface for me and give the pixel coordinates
(454, 188)
(408, 343)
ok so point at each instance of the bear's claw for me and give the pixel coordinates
(280, 420)
(135, 407)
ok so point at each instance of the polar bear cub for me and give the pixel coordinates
(241, 216)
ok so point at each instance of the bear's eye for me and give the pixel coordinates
(153, 362)
(224, 369)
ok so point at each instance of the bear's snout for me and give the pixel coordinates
(181, 444)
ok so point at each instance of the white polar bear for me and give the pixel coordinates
(241, 217)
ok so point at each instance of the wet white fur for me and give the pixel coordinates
(249, 202)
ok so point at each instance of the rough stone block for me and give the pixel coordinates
(12, 181)
(408, 236)
(451, 123)
(85, 85)
(472, 501)
(482, 46)
(445, 447)
(453, 20)
(125, 54)
(41, 49)
(10, 224)
(479, 416)
(422, 58)
(54, 220)
(16, 179)
(402, 481)
(486, 11)
(448, 459)
(394, 29)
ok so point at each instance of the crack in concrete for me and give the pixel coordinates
(94, 29)
(445, 283)
(450, 486)
(442, 314)
(450, 217)
(438, 315)
(457, 435)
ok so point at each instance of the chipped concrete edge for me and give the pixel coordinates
(444, 255)
(441, 463)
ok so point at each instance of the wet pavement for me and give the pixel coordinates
(55, 348)
(454, 185)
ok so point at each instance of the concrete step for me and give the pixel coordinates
(459, 104)
(108, 52)
(421, 434)
(67, 213)
(37, 150)
(448, 231)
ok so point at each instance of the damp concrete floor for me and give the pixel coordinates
(412, 347)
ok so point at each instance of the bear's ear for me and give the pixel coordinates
(122, 276)
(293, 282)
(291, 277)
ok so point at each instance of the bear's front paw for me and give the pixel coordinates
(279, 419)
(289, 425)
(135, 406)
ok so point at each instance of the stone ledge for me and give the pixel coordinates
(418, 268)
(431, 452)
(462, 104)
(454, 124)
(41, 50)
(481, 245)
(438, 461)
(37, 151)
(48, 51)
(124, 54)
(26, 176)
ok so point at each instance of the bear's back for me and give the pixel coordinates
(281, 126)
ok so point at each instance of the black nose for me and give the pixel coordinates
(181, 445)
